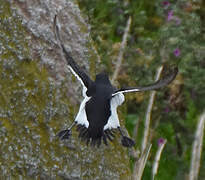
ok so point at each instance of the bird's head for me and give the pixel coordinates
(102, 78)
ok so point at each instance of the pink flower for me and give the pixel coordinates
(177, 52)
(178, 20)
(167, 110)
(166, 4)
(170, 15)
(160, 141)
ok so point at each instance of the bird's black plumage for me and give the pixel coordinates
(98, 107)
(97, 117)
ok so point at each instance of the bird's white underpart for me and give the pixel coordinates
(81, 117)
(113, 121)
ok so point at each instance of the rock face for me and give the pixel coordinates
(39, 97)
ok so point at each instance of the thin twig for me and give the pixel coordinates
(121, 52)
(140, 164)
(118, 65)
(196, 149)
(157, 158)
(148, 113)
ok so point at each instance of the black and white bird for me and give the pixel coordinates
(97, 117)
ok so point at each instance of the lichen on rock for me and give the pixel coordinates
(39, 97)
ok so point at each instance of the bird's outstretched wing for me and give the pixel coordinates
(75, 69)
(158, 84)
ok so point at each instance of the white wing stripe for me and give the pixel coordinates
(125, 91)
(79, 79)
(81, 117)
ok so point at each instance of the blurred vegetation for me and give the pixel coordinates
(162, 32)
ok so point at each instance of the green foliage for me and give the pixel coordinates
(131, 121)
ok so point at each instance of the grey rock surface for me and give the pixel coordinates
(39, 97)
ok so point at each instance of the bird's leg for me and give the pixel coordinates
(65, 134)
(126, 141)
